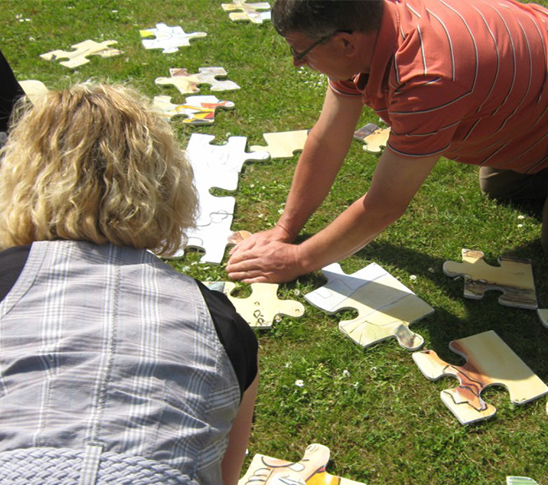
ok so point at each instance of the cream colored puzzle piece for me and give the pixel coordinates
(79, 56)
(513, 277)
(247, 11)
(180, 78)
(489, 361)
(283, 144)
(375, 142)
(33, 89)
(543, 315)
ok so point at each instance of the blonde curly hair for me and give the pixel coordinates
(95, 163)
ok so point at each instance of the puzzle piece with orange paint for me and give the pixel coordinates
(168, 38)
(248, 11)
(188, 83)
(82, 50)
(489, 362)
(198, 110)
(514, 277)
(311, 470)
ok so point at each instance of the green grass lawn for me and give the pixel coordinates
(383, 421)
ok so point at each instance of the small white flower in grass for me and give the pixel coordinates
(280, 211)
(521, 216)
(346, 373)
(413, 277)
(431, 270)
(277, 318)
(296, 292)
(287, 365)
(520, 225)
(32, 39)
(356, 385)
(299, 383)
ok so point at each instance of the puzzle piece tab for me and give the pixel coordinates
(514, 278)
(283, 144)
(385, 306)
(375, 138)
(78, 57)
(262, 306)
(489, 361)
(311, 470)
(248, 11)
(168, 38)
(199, 110)
(188, 83)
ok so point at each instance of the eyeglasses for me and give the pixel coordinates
(299, 56)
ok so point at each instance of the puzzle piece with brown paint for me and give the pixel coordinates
(198, 110)
(489, 362)
(78, 57)
(514, 277)
(311, 470)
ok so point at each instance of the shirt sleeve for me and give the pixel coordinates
(235, 334)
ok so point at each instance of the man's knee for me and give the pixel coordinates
(510, 185)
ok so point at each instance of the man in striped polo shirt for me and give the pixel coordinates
(463, 79)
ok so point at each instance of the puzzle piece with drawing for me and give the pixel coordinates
(188, 83)
(489, 362)
(261, 308)
(514, 277)
(311, 470)
(283, 144)
(374, 137)
(199, 110)
(168, 38)
(385, 306)
(247, 11)
(82, 50)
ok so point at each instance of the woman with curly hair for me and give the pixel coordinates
(114, 368)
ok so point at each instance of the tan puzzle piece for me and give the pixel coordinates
(375, 142)
(513, 277)
(79, 56)
(240, 10)
(263, 305)
(33, 89)
(283, 144)
(311, 470)
(490, 361)
(182, 80)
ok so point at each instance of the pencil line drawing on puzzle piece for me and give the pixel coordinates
(188, 83)
(283, 144)
(514, 277)
(78, 57)
(374, 137)
(240, 10)
(167, 38)
(385, 306)
(263, 306)
(198, 110)
(311, 470)
(489, 362)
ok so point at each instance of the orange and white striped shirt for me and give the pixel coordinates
(466, 79)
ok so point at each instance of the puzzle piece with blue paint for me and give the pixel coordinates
(241, 10)
(168, 38)
(385, 306)
(198, 110)
(82, 50)
(188, 83)
(489, 362)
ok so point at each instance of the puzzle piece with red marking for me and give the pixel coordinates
(168, 38)
(283, 144)
(262, 307)
(375, 138)
(385, 306)
(199, 110)
(514, 277)
(78, 57)
(311, 470)
(247, 11)
(188, 83)
(489, 361)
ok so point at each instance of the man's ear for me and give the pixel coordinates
(349, 43)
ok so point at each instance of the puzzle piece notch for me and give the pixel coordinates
(385, 306)
(283, 144)
(248, 11)
(514, 277)
(374, 137)
(490, 361)
(311, 470)
(78, 57)
(262, 306)
(188, 83)
(168, 38)
(198, 110)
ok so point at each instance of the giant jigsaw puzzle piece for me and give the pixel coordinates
(33, 89)
(514, 278)
(240, 10)
(520, 481)
(188, 83)
(311, 470)
(168, 38)
(385, 306)
(262, 306)
(199, 110)
(283, 144)
(489, 362)
(78, 57)
(543, 315)
(375, 138)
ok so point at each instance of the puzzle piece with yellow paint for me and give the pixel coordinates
(375, 138)
(283, 144)
(248, 11)
(311, 470)
(198, 110)
(78, 57)
(514, 277)
(188, 83)
(489, 362)
(385, 306)
(168, 38)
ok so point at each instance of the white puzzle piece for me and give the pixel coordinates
(168, 38)
(240, 10)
